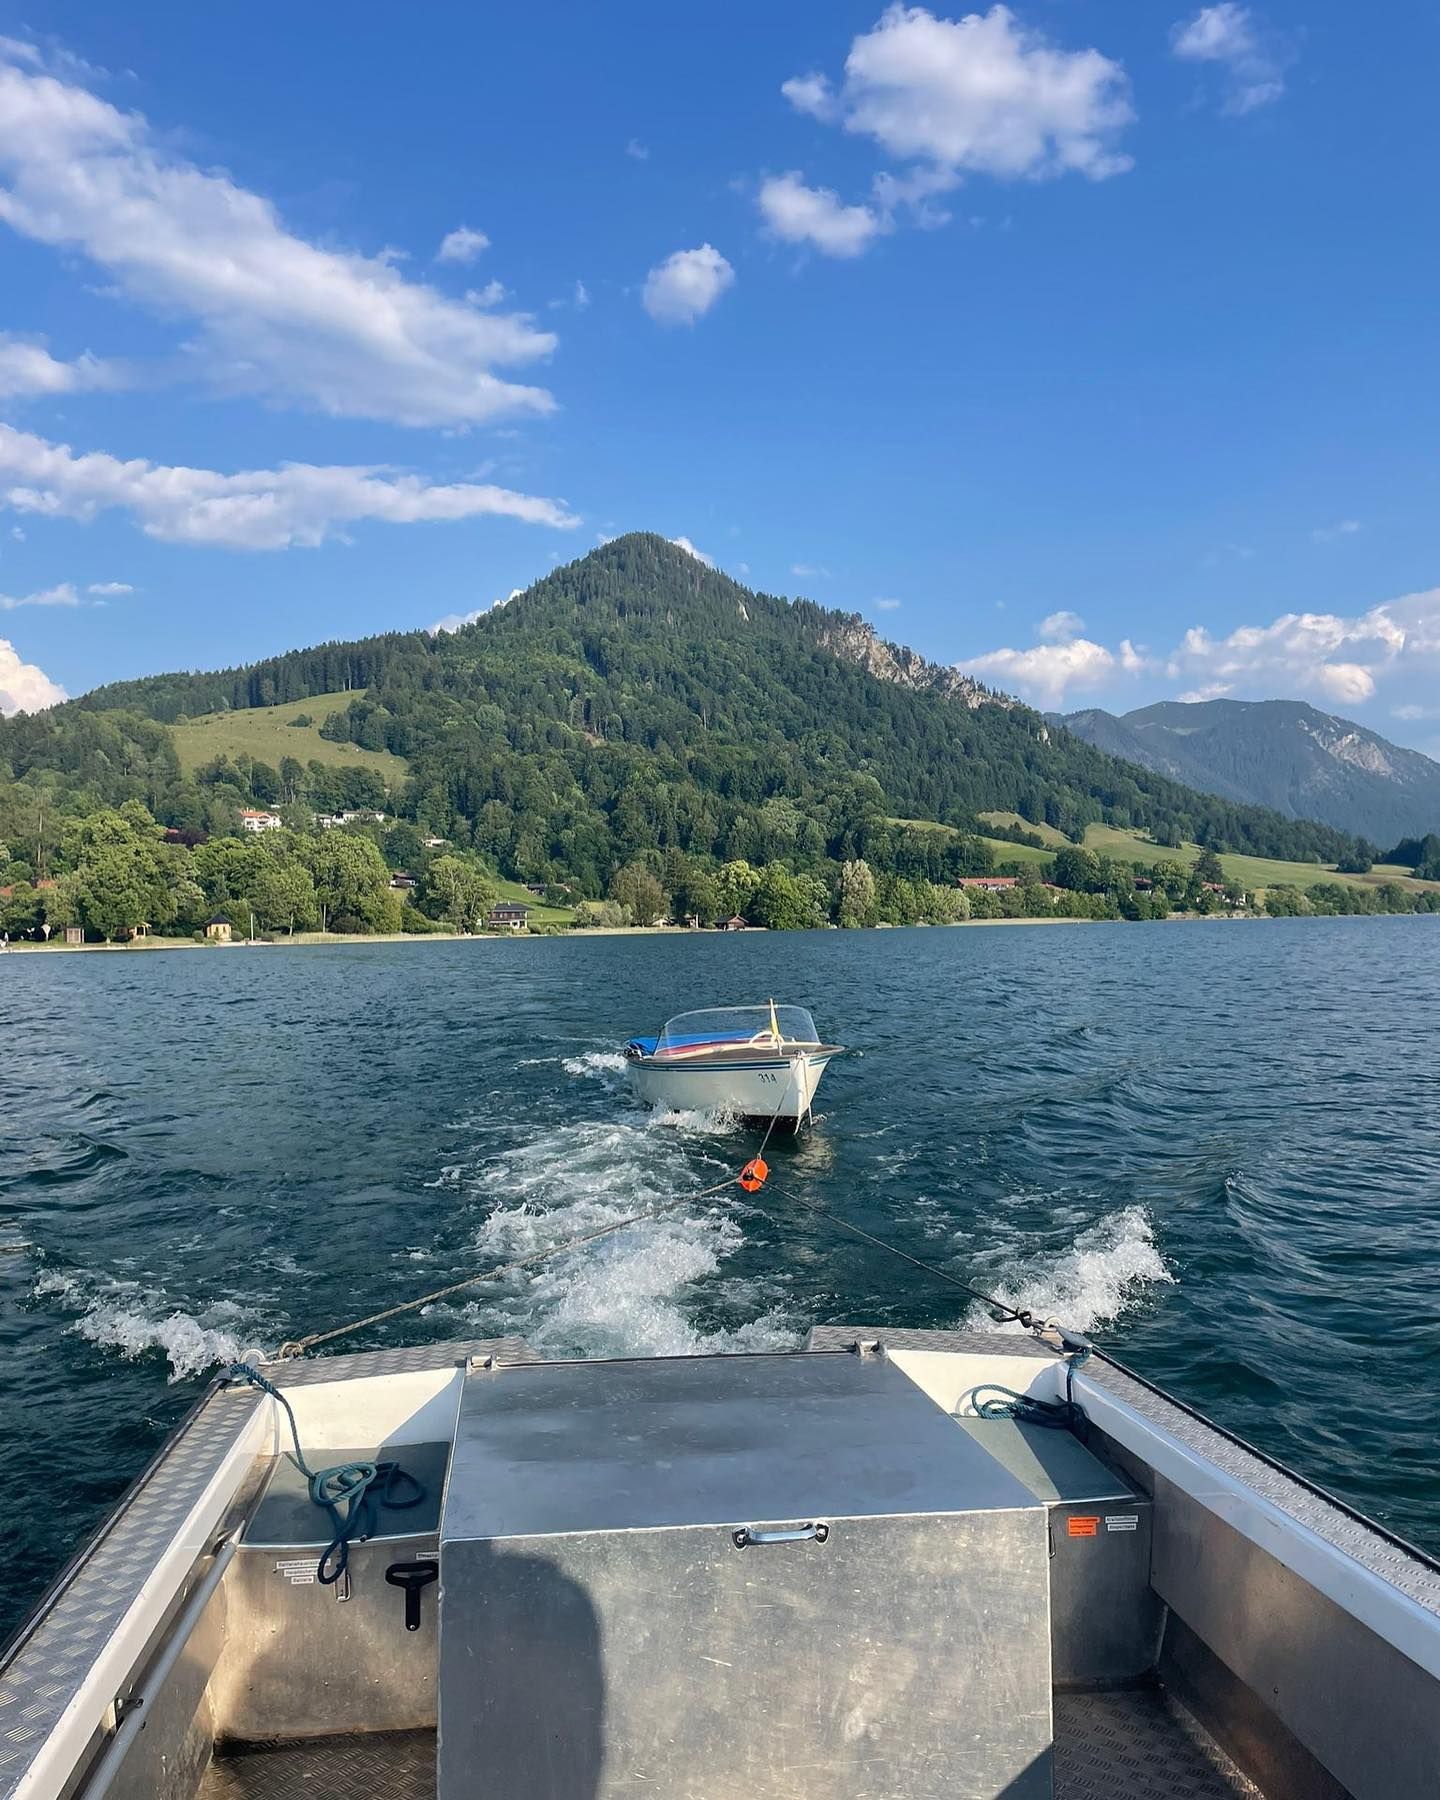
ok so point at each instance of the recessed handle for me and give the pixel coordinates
(747, 1537)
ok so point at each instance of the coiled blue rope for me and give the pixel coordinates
(1026, 1409)
(361, 1488)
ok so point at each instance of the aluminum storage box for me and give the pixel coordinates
(613, 1622)
(1105, 1618)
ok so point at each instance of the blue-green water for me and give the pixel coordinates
(1218, 1146)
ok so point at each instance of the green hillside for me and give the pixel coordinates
(270, 734)
(638, 701)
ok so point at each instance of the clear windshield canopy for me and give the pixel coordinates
(767, 1027)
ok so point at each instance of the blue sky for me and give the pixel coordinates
(1091, 347)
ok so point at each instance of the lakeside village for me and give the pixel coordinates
(118, 877)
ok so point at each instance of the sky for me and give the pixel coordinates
(1090, 347)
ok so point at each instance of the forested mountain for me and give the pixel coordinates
(1280, 754)
(638, 701)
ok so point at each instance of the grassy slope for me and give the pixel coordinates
(540, 914)
(1048, 832)
(1135, 847)
(265, 732)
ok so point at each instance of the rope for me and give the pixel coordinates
(299, 1346)
(1019, 1315)
(1027, 1409)
(362, 1488)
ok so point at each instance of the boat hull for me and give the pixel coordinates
(772, 1087)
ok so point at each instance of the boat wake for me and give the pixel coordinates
(133, 1320)
(1105, 1271)
(595, 1064)
(657, 1288)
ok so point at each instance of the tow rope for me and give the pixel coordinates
(362, 1488)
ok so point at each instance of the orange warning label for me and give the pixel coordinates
(1083, 1526)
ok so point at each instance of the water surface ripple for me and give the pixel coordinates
(1218, 1146)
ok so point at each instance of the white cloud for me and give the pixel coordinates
(887, 605)
(810, 571)
(1060, 627)
(1341, 660)
(1252, 58)
(462, 245)
(1328, 534)
(979, 94)
(61, 595)
(1045, 671)
(23, 687)
(639, 151)
(109, 588)
(491, 294)
(333, 330)
(581, 296)
(256, 509)
(811, 94)
(458, 621)
(27, 367)
(684, 543)
(816, 216)
(686, 285)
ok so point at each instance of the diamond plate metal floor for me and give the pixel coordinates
(1135, 1745)
(398, 1764)
(1122, 1746)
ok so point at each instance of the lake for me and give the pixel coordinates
(1217, 1146)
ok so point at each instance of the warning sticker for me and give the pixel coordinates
(1082, 1525)
(298, 1571)
(1122, 1522)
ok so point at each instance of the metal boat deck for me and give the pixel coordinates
(1134, 1745)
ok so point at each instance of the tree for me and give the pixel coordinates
(639, 892)
(1208, 867)
(1077, 869)
(737, 883)
(460, 892)
(857, 894)
(352, 884)
(284, 898)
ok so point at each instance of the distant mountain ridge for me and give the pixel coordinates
(639, 701)
(1280, 754)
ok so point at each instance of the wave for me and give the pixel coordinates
(656, 1288)
(596, 1064)
(1104, 1271)
(125, 1317)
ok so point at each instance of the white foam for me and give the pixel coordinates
(596, 1064)
(1106, 1269)
(697, 1121)
(633, 1293)
(123, 1316)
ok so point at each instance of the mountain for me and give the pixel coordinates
(631, 701)
(1280, 754)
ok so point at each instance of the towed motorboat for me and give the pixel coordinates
(846, 1572)
(756, 1062)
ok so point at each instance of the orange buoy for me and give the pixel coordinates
(752, 1176)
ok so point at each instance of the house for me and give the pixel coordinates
(217, 928)
(74, 934)
(509, 915)
(992, 882)
(734, 923)
(402, 883)
(434, 843)
(250, 820)
(361, 815)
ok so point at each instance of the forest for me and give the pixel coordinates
(634, 709)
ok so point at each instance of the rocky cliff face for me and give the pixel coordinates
(858, 642)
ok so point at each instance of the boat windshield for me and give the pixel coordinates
(715, 1027)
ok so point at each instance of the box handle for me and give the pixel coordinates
(746, 1535)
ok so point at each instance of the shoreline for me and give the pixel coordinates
(319, 940)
